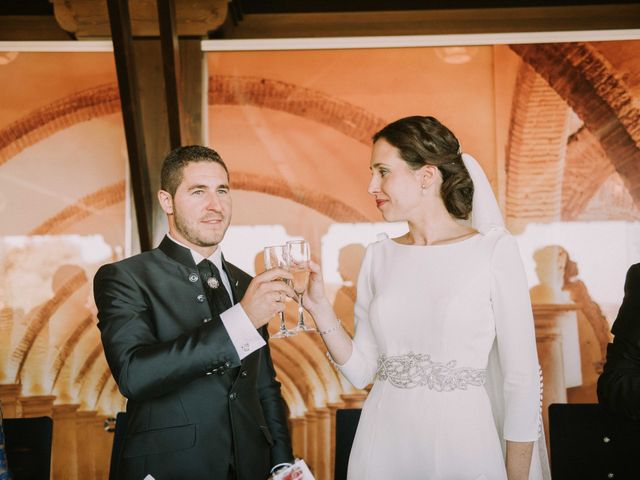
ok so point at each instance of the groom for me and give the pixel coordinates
(184, 333)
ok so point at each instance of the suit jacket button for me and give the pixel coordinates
(206, 320)
(233, 396)
(200, 298)
(243, 373)
(193, 277)
(227, 364)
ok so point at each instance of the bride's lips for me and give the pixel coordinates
(379, 203)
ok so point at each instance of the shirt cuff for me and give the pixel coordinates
(278, 467)
(243, 334)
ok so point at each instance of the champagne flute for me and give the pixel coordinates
(276, 256)
(298, 256)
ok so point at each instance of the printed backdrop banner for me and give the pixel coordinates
(294, 128)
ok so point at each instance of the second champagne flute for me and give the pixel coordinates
(276, 256)
(298, 256)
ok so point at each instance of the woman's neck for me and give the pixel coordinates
(435, 225)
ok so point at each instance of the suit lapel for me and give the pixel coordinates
(232, 280)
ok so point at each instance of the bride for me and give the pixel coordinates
(444, 327)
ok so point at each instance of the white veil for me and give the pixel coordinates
(486, 216)
(485, 212)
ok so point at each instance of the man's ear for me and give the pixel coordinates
(166, 201)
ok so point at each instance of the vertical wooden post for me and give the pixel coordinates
(126, 71)
(171, 69)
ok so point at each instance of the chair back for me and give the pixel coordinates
(118, 441)
(28, 444)
(587, 441)
(346, 424)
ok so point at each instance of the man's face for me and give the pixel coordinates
(200, 211)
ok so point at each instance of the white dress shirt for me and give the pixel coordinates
(241, 331)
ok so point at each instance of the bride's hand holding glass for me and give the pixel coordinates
(315, 299)
(330, 328)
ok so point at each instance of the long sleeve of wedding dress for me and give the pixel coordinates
(360, 369)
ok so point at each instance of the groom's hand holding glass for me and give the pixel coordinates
(266, 295)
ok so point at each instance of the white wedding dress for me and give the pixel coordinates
(446, 335)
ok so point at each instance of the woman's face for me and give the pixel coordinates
(396, 188)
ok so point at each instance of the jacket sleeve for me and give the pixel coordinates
(619, 384)
(273, 407)
(143, 366)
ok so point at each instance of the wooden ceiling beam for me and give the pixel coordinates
(437, 22)
(90, 18)
(18, 28)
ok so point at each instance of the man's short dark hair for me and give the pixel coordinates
(174, 163)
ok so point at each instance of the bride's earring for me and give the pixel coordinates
(427, 177)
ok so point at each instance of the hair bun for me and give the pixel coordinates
(456, 189)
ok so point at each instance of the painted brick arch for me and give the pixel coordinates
(536, 151)
(40, 321)
(587, 81)
(83, 208)
(587, 168)
(59, 115)
(352, 121)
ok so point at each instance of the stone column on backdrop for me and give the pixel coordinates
(323, 443)
(65, 444)
(312, 446)
(355, 399)
(551, 263)
(298, 427)
(9, 395)
(103, 441)
(332, 430)
(85, 420)
(548, 319)
(37, 406)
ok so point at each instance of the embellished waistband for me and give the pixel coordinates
(418, 370)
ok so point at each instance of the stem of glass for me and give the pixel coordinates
(300, 311)
(283, 328)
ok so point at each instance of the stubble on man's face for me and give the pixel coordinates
(191, 231)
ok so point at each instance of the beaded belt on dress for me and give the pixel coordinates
(418, 370)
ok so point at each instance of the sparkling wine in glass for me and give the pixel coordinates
(276, 256)
(298, 256)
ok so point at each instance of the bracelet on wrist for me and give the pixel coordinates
(332, 329)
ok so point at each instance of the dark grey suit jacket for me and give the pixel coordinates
(619, 384)
(172, 358)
